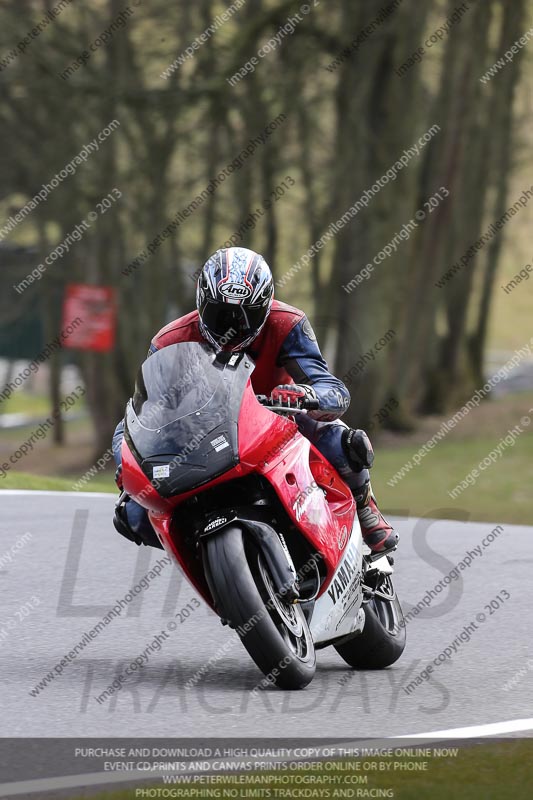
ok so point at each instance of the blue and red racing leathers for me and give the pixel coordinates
(285, 352)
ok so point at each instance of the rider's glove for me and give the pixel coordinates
(358, 449)
(294, 395)
(118, 477)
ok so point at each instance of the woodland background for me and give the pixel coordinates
(349, 116)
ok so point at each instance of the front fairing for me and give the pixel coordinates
(182, 422)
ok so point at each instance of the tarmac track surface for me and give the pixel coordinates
(74, 567)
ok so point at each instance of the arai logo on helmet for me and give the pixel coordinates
(234, 290)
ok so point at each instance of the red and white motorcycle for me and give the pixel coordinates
(259, 521)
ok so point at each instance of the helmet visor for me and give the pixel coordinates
(230, 324)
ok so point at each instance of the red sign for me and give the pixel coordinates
(95, 306)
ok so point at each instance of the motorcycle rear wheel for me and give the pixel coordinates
(382, 640)
(274, 632)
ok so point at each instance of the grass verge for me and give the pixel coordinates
(500, 494)
(25, 480)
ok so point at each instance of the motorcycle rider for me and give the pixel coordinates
(235, 310)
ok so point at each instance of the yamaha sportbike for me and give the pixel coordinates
(259, 521)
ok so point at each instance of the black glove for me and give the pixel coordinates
(358, 449)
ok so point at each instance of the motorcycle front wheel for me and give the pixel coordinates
(274, 632)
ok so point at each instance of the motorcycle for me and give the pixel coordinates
(263, 527)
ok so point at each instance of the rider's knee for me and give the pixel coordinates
(358, 449)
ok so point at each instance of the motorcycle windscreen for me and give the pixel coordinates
(181, 423)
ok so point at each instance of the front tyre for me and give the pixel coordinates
(382, 640)
(274, 632)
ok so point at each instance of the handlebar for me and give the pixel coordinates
(302, 407)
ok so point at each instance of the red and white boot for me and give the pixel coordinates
(378, 534)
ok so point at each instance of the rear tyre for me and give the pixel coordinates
(382, 641)
(274, 632)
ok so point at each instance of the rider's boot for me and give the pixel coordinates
(131, 521)
(377, 533)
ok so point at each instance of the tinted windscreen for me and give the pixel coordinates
(181, 423)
